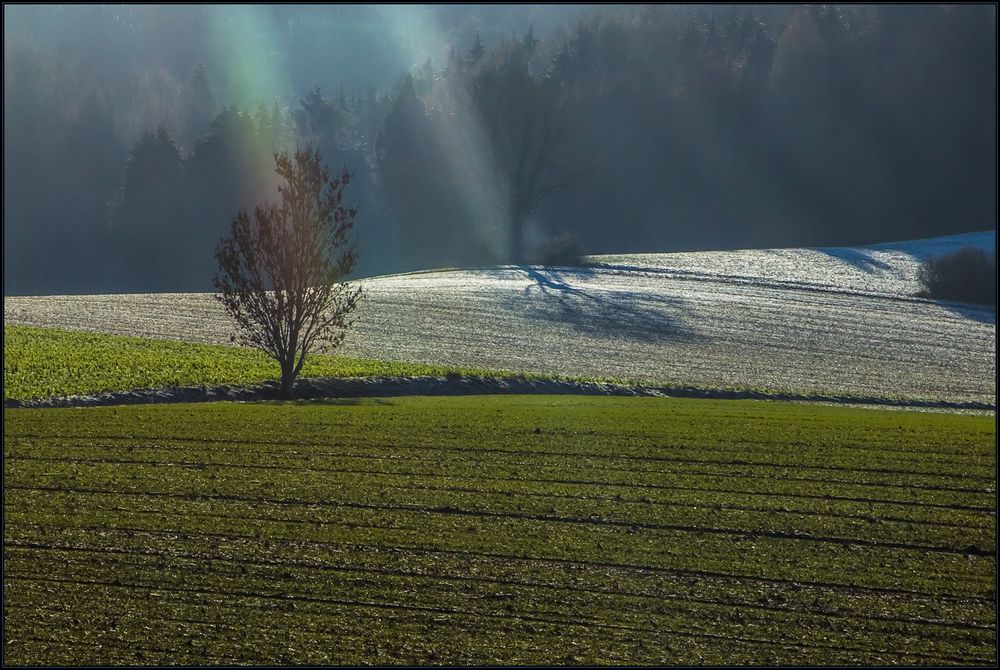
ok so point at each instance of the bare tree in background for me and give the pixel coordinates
(524, 122)
(280, 272)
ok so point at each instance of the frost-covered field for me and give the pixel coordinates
(889, 268)
(835, 320)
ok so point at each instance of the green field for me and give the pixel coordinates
(44, 362)
(487, 530)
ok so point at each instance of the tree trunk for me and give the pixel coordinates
(287, 379)
(516, 237)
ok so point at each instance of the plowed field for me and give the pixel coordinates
(499, 530)
(829, 321)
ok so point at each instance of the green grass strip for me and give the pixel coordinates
(45, 362)
(49, 362)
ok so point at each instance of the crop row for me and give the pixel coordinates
(314, 498)
(627, 600)
(450, 530)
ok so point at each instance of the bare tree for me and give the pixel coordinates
(524, 122)
(280, 272)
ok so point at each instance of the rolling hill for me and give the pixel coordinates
(826, 320)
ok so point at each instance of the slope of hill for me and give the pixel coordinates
(833, 320)
(881, 269)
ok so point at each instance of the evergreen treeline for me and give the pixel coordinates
(639, 129)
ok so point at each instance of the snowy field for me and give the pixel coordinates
(833, 320)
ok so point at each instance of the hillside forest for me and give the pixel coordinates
(132, 135)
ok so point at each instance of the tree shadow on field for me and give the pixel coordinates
(612, 314)
(981, 313)
(857, 258)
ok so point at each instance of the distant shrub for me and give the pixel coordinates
(561, 249)
(967, 275)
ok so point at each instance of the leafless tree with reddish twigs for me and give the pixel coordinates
(280, 271)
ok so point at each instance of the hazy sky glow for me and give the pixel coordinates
(245, 44)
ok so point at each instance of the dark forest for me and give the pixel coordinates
(134, 134)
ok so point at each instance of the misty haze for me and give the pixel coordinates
(500, 334)
(132, 134)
